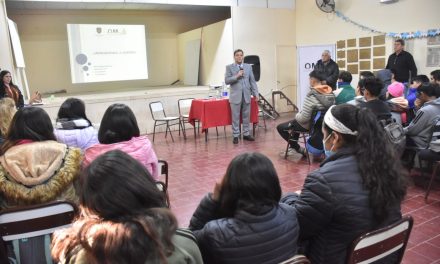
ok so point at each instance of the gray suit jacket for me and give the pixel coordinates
(244, 86)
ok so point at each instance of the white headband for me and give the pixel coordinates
(337, 126)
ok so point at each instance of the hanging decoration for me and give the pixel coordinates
(402, 35)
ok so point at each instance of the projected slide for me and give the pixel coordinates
(102, 53)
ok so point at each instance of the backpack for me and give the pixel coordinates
(395, 134)
(314, 141)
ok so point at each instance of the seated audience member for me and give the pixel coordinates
(358, 188)
(123, 220)
(386, 77)
(242, 221)
(397, 103)
(435, 77)
(412, 93)
(119, 130)
(9, 89)
(359, 97)
(370, 88)
(419, 130)
(320, 98)
(73, 128)
(7, 111)
(34, 168)
(345, 91)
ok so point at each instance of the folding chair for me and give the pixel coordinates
(163, 182)
(434, 173)
(316, 124)
(28, 230)
(297, 259)
(160, 118)
(381, 243)
(184, 107)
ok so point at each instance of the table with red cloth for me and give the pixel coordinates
(216, 112)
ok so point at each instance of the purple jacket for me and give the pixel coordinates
(79, 138)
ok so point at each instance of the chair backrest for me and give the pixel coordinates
(31, 222)
(163, 181)
(297, 259)
(380, 243)
(163, 171)
(184, 105)
(157, 111)
(434, 141)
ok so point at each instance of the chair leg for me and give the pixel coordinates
(195, 133)
(154, 130)
(434, 173)
(216, 130)
(182, 124)
(206, 135)
(287, 148)
(168, 127)
(305, 148)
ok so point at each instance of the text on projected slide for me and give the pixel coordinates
(102, 53)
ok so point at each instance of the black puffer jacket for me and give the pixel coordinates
(267, 238)
(333, 209)
(330, 71)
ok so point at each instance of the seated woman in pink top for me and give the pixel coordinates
(119, 130)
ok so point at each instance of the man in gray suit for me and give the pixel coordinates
(241, 78)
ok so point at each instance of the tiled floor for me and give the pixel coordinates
(195, 165)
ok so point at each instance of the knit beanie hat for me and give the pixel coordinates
(396, 89)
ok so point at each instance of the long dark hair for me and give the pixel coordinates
(2, 74)
(118, 124)
(123, 215)
(250, 183)
(379, 167)
(71, 109)
(31, 123)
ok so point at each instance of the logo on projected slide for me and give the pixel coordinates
(98, 30)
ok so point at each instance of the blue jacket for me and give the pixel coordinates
(269, 237)
(333, 209)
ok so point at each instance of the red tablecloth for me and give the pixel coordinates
(216, 112)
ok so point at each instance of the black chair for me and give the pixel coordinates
(163, 182)
(316, 125)
(160, 118)
(27, 229)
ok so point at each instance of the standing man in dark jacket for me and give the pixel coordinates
(402, 62)
(328, 68)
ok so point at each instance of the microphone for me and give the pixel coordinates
(241, 67)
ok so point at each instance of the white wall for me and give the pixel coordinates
(316, 27)
(258, 31)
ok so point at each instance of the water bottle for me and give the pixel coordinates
(224, 90)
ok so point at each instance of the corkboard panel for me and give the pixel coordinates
(340, 44)
(352, 55)
(351, 43)
(379, 51)
(379, 40)
(364, 65)
(365, 54)
(353, 68)
(341, 63)
(365, 42)
(341, 54)
(379, 63)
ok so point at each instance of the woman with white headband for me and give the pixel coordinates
(358, 187)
